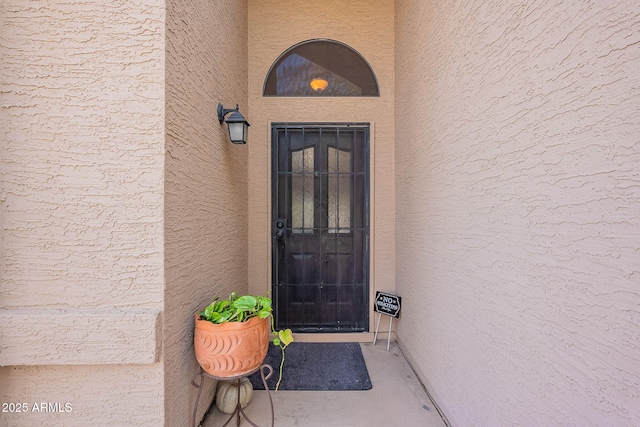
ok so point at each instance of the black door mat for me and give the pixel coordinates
(317, 366)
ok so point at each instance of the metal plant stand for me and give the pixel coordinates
(239, 410)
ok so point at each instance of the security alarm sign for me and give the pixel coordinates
(387, 304)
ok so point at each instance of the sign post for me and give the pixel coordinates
(389, 305)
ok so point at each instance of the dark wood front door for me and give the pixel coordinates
(320, 227)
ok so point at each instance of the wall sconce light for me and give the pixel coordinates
(238, 125)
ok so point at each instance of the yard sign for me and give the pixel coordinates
(389, 305)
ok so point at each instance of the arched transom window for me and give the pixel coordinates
(321, 68)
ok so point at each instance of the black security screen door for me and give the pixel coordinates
(320, 227)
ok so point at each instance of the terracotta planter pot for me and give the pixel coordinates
(231, 349)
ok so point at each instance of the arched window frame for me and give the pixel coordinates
(370, 85)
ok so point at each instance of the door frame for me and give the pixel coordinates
(368, 212)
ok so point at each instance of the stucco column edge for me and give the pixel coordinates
(83, 336)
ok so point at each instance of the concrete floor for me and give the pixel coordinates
(396, 399)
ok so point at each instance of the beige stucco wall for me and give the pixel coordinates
(81, 189)
(206, 182)
(366, 26)
(518, 204)
(516, 188)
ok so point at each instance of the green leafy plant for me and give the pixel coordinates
(237, 309)
(242, 308)
(281, 339)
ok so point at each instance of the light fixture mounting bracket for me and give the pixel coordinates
(224, 111)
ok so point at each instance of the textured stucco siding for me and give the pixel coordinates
(88, 336)
(82, 154)
(98, 395)
(206, 182)
(81, 190)
(518, 208)
(366, 26)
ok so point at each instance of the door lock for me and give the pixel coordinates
(280, 229)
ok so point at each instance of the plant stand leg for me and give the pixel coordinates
(239, 410)
(236, 413)
(200, 374)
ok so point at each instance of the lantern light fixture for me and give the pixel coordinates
(238, 125)
(318, 84)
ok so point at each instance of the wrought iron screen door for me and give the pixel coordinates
(320, 227)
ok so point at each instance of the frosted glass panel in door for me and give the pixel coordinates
(339, 192)
(302, 190)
